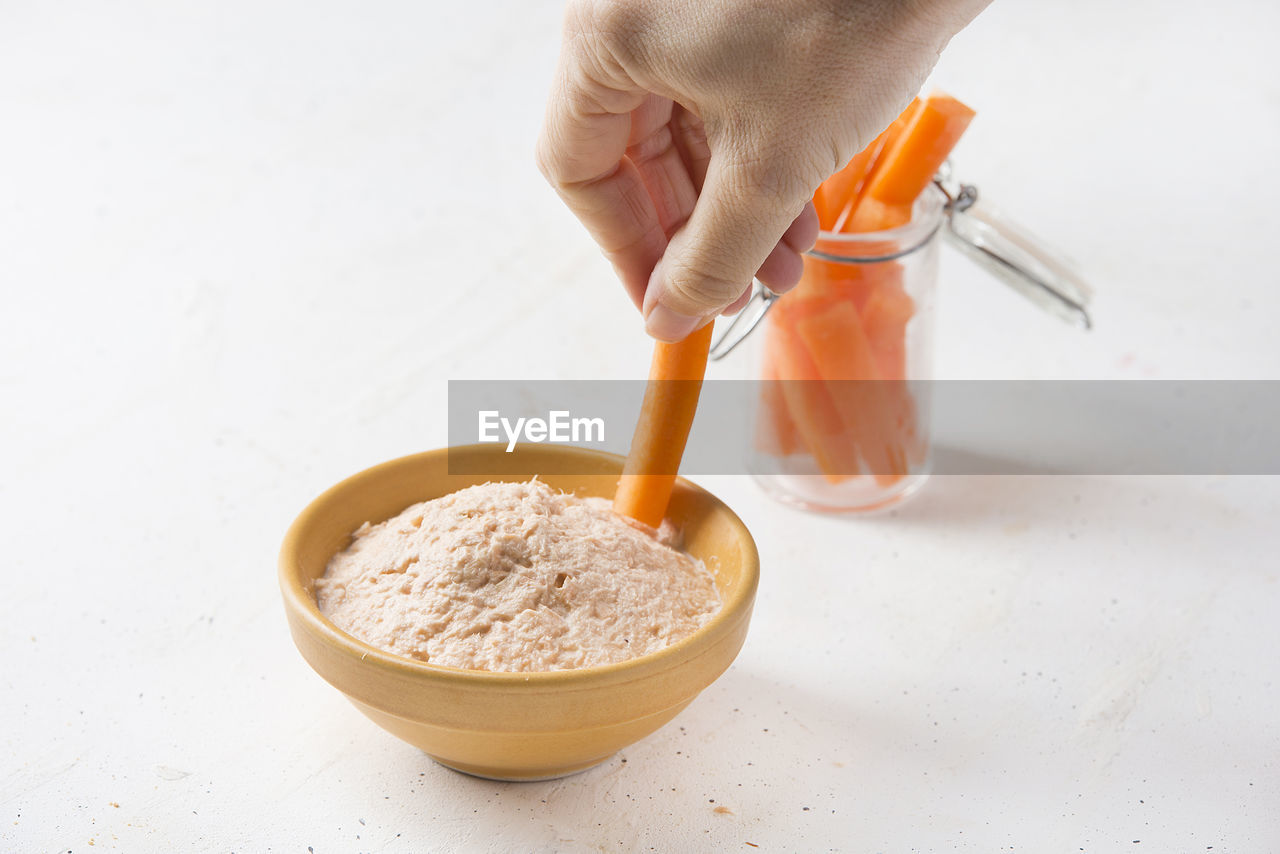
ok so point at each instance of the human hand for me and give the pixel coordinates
(689, 135)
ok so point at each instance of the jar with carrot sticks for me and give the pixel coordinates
(842, 415)
(841, 419)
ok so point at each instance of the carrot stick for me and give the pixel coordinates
(666, 416)
(809, 404)
(776, 433)
(833, 196)
(885, 316)
(822, 203)
(909, 166)
(836, 200)
(883, 144)
(839, 348)
(834, 192)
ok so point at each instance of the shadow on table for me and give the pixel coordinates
(958, 498)
(1047, 498)
(752, 760)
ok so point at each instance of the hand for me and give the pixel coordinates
(689, 135)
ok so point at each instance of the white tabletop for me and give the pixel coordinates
(243, 246)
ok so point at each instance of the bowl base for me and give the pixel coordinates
(519, 756)
(507, 777)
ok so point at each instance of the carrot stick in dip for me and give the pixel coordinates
(666, 416)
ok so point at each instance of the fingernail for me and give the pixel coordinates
(667, 325)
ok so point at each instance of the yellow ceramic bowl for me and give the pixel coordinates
(514, 726)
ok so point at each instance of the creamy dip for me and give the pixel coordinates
(515, 577)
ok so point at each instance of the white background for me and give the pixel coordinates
(244, 245)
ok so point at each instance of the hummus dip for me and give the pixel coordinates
(515, 577)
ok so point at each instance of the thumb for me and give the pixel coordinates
(736, 229)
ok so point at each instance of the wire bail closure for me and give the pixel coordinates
(998, 245)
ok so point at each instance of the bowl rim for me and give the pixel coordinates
(302, 604)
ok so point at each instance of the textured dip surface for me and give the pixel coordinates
(516, 577)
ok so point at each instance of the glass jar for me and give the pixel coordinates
(841, 410)
(841, 421)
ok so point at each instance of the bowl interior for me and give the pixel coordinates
(709, 530)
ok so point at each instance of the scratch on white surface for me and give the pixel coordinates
(318, 773)
(18, 783)
(234, 439)
(165, 772)
(1110, 705)
(797, 722)
(1102, 716)
(557, 786)
(1204, 704)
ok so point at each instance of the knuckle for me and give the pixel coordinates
(607, 14)
(616, 26)
(552, 160)
(697, 291)
(544, 159)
